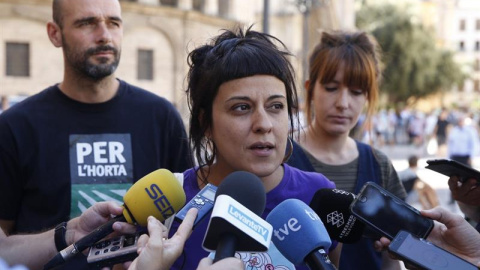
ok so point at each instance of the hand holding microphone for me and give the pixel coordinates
(299, 234)
(157, 194)
(40, 247)
(95, 216)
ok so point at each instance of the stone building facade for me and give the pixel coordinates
(158, 34)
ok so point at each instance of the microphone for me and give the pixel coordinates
(157, 194)
(299, 234)
(235, 223)
(333, 208)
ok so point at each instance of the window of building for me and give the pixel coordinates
(145, 65)
(224, 8)
(461, 46)
(198, 5)
(18, 59)
(170, 3)
(477, 46)
(476, 85)
(476, 67)
(462, 25)
(477, 24)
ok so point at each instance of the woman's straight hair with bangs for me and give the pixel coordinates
(358, 53)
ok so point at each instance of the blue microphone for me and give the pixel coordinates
(299, 234)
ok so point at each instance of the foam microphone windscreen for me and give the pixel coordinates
(297, 230)
(239, 201)
(246, 188)
(333, 207)
(157, 194)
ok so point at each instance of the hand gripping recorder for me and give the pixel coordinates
(203, 201)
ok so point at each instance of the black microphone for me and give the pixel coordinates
(333, 207)
(157, 194)
(235, 223)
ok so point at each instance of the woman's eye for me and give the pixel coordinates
(241, 107)
(278, 106)
(331, 89)
(357, 92)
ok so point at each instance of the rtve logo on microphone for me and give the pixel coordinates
(292, 225)
(101, 169)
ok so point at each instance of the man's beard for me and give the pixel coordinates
(80, 61)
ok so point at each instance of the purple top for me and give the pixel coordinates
(295, 184)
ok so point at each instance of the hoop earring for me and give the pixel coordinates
(210, 157)
(290, 150)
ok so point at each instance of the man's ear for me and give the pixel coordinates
(54, 34)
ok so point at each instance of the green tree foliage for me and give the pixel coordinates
(413, 65)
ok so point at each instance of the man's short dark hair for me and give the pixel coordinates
(412, 161)
(57, 12)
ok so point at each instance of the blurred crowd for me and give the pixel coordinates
(414, 127)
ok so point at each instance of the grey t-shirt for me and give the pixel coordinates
(345, 175)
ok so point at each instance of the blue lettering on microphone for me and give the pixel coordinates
(239, 215)
(160, 201)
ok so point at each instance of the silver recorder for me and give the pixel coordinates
(113, 250)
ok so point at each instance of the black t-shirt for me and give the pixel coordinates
(59, 156)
